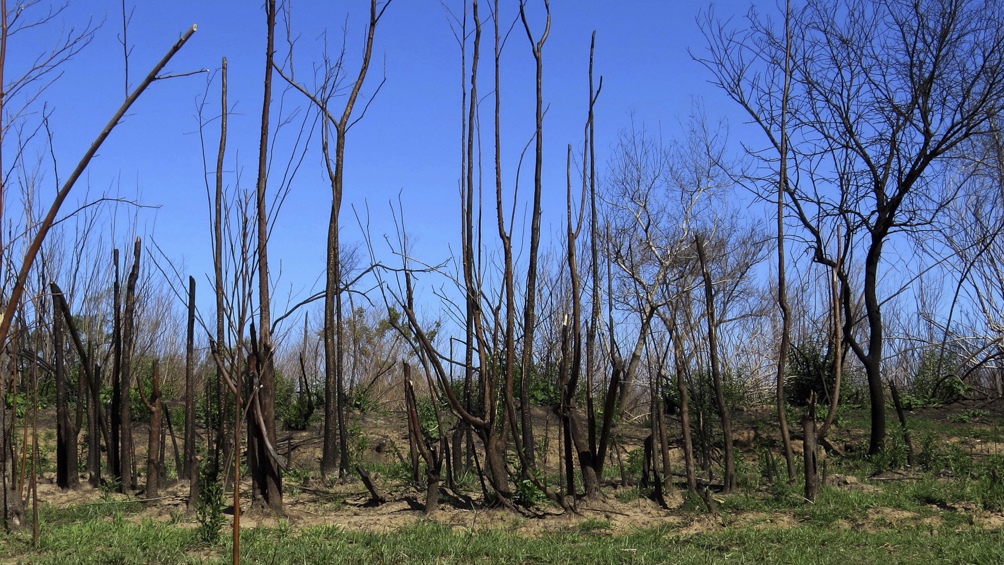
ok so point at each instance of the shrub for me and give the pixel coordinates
(810, 369)
(209, 505)
(934, 381)
(295, 408)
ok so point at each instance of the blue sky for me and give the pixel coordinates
(408, 143)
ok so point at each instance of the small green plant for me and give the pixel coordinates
(427, 418)
(593, 524)
(627, 494)
(970, 415)
(528, 494)
(894, 456)
(209, 506)
(635, 463)
(358, 442)
(20, 400)
(748, 474)
(295, 408)
(363, 401)
(989, 488)
(295, 477)
(109, 486)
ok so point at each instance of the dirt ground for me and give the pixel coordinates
(346, 504)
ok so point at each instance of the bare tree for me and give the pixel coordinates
(125, 369)
(154, 463)
(881, 95)
(19, 90)
(529, 307)
(263, 467)
(334, 162)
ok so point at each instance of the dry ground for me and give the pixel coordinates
(309, 501)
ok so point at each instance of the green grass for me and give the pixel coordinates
(835, 529)
(930, 513)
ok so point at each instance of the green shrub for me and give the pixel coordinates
(294, 408)
(209, 505)
(810, 370)
(935, 381)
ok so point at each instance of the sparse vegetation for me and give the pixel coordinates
(636, 386)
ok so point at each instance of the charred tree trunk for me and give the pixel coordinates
(530, 309)
(125, 371)
(154, 463)
(94, 417)
(220, 392)
(66, 429)
(190, 469)
(426, 446)
(90, 378)
(266, 473)
(115, 448)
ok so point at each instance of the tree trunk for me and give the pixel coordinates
(154, 463)
(716, 375)
(220, 392)
(872, 361)
(681, 388)
(115, 448)
(266, 475)
(66, 430)
(190, 470)
(530, 311)
(809, 450)
(125, 371)
(782, 285)
(11, 507)
(93, 419)
(425, 446)
(329, 451)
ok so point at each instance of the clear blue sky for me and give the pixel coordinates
(409, 140)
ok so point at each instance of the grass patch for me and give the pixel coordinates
(843, 527)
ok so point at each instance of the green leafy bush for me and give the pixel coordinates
(209, 505)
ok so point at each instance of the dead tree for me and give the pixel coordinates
(66, 428)
(431, 453)
(154, 462)
(335, 442)
(882, 98)
(124, 377)
(263, 467)
(190, 469)
(530, 306)
(96, 424)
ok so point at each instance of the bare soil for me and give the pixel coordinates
(309, 501)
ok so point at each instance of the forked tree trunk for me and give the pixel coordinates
(432, 455)
(125, 371)
(264, 469)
